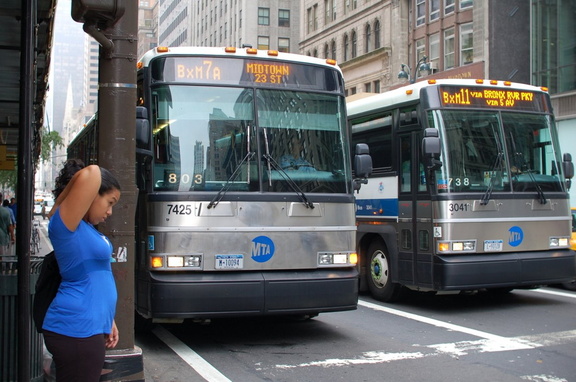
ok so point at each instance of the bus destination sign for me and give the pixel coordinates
(465, 96)
(242, 71)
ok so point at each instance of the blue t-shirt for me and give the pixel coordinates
(85, 304)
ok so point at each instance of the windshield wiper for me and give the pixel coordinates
(289, 180)
(497, 164)
(214, 202)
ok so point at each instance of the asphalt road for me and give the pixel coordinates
(522, 336)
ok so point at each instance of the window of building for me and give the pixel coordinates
(283, 17)
(327, 11)
(434, 10)
(368, 38)
(368, 87)
(420, 12)
(346, 47)
(377, 86)
(333, 49)
(263, 42)
(315, 16)
(309, 20)
(354, 44)
(326, 51)
(448, 6)
(434, 50)
(466, 44)
(449, 48)
(354, 4)
(333, 10)
(315, 53)
(346, 6)
(420, 49)
(263, 16)
(465, 4)
(377, 43)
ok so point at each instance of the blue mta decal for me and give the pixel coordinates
(262, 249)
(516, 235)
(150, 242)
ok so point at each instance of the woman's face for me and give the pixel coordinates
(101, 207)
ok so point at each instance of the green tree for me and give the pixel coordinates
(50, 141)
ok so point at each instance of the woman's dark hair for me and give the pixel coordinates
(71, 167)
(109, 182)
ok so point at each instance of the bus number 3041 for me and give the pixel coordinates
(456, 207)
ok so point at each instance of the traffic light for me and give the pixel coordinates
(102, 13)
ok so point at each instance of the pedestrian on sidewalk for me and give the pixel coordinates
(79, 324)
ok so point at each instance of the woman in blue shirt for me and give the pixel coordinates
(79, 324)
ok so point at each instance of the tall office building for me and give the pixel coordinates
(553, 65)
(263, 24)
(147, 26)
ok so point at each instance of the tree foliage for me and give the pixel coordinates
(50, 141)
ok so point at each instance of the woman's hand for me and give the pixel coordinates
(112, 338)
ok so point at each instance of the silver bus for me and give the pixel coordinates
(246, 202)
(468, 191)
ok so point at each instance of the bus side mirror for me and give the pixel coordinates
(362, 165)
(568, 168)
(143, 132)
(431, 149)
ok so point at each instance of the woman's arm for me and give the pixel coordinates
(77, 197)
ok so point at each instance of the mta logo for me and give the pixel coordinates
(515, 236)
(262, 249)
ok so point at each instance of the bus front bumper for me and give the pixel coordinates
(211, 295)
(505, 270)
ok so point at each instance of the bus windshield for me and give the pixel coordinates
(246, 139)
(496, 151)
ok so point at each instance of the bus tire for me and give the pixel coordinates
(379, 277)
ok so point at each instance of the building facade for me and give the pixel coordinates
(374, 39)
(147, 26)
(553, 64)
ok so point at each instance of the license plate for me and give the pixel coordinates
(229, 262)
(493, 245)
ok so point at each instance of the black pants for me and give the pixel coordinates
(76, 359)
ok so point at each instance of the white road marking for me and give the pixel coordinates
(555, 292)
(488, 342)
(202, 367)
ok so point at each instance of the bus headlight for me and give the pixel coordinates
(559, 242)
(337, 258)
(457, 246)
(176, 261)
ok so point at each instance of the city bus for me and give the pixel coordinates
(468, 190)
(245, 203)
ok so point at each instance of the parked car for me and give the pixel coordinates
(38, 207)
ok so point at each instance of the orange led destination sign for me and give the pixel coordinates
(464, 96)
(243, 71)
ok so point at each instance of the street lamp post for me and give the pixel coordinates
(421, 65)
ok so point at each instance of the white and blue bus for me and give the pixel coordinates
(468, 192)
(246, 202)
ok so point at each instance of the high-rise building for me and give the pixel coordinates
(262, 24)
(147, 26)
(553, 65)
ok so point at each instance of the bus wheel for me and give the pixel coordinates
(379, 282)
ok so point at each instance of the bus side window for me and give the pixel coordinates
(406, 164)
